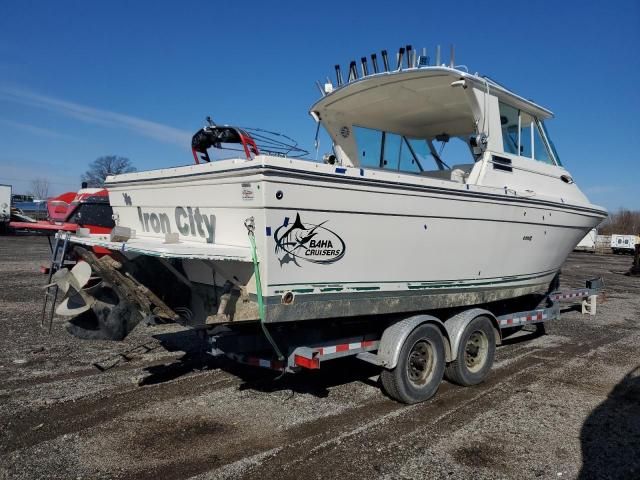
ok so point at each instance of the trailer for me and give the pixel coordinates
(5, 207)
(414, 352)
(624, 243)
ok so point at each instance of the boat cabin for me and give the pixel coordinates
(433, 121)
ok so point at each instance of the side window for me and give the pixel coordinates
(455, 151)
(524, 135)
(540, 151)
(398, 155)
(509, 122)
(369, 143)
(389, 151)
(420, 149)
(392, 146)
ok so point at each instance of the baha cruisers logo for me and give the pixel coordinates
(311, 242)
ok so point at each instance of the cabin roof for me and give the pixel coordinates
(414, 101)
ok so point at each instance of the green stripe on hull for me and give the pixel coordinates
(421, 285)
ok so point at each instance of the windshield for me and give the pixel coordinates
(96, 214)
(550, 142)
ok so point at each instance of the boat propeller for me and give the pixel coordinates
(105, 298)
(72, 282)
(96, 311)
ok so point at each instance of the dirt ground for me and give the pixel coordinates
(563, 405)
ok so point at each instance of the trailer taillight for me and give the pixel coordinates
(311, 363)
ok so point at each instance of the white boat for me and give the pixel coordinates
(443, 190)
(588, 242)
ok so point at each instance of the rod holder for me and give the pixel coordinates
(438, 56)
(452, 56)
(353, 71)
(385, 60)
(399, 58)
(364, 66)
(374, 62)
(338, 76)
(409, 53)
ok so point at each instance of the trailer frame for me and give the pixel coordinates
(383, 349)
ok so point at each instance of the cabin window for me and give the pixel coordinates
(398, 154)
(391, 151)
(509, 122)
(386, 150)
(532, 144)
(525, 135)
(451, 151)
(369, 144)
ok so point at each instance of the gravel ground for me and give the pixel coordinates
(563, 405)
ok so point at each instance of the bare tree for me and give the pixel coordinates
(39, 189)
(101, 167)
(623, 222)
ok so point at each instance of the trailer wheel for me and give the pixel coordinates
(420, 366)
(476, 351)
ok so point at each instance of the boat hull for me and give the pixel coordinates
(335, 242)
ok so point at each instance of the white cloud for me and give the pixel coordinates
(19, 173)
(146, 128)
(33, 129)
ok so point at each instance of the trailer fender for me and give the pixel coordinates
(394, 336)
(456, 325)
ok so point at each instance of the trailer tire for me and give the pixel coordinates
(420, 367)
(475, 355)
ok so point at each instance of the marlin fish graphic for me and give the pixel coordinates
(295, 237)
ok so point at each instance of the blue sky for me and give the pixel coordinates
(83, 79)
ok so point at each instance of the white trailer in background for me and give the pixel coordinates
(5, 207)
(588, 243)
(624, 243)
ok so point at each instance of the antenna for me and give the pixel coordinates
(374, 62)
(338, 75)
(409, 50)
(364, 66)
(316, 143)
(385, 60)
(452, 56)
(322, 92)
(399, 58)
(438, 56)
